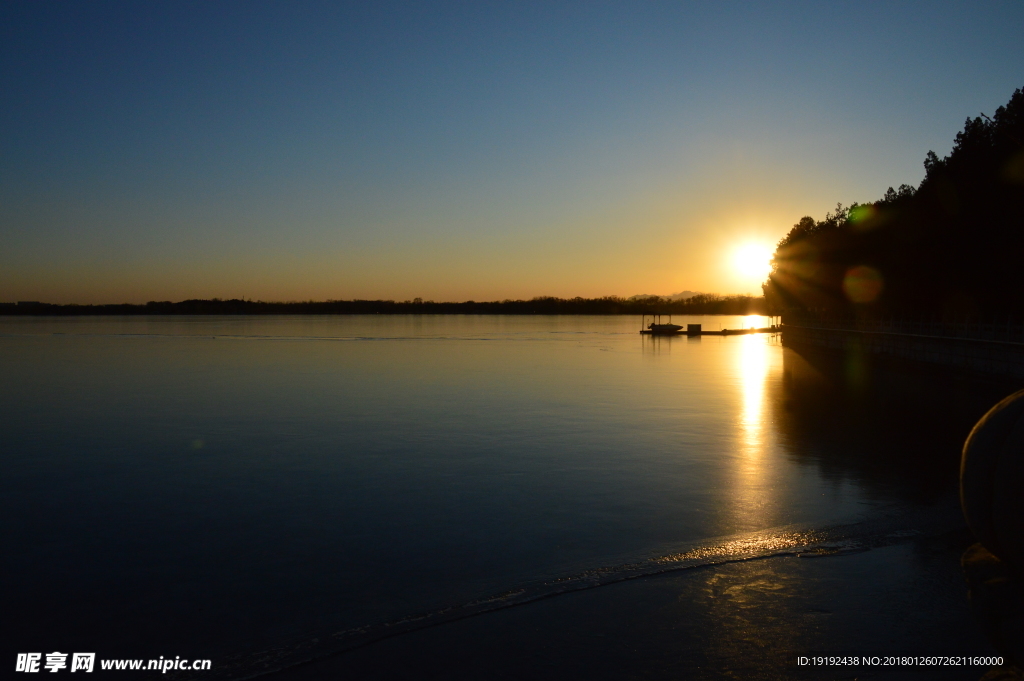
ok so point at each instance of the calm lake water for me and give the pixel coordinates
(206, 486)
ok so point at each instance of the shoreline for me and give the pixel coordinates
(321, 650)
(749, 619)
(611, 305)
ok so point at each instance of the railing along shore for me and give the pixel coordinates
(989, 346)
(991, 332)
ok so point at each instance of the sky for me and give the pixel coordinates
(461, 150)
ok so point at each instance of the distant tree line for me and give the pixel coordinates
(703, 303)
(952, 247)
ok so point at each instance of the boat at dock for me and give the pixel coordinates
(658, 328)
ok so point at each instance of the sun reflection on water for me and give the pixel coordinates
(753, 368)
(752, 488)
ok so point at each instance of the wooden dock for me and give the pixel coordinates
(720, 332)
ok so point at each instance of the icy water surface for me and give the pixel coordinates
(214, 486)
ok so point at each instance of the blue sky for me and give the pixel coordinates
(451, 151)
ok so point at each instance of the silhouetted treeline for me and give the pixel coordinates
(954, 246)
(700, 304)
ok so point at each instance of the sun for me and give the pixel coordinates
(752, 261)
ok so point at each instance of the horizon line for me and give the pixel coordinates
(413, 301)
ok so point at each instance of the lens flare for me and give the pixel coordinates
(863, 284)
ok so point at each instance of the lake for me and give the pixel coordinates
(222, 486)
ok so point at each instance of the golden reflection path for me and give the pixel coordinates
(752, 479)
(750, 604)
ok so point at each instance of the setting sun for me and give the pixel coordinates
(752, 260)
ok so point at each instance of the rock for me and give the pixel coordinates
(992, 481)
(997, 600)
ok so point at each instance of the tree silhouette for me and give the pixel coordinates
(952, 246)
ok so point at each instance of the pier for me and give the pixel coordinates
(657, 328)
